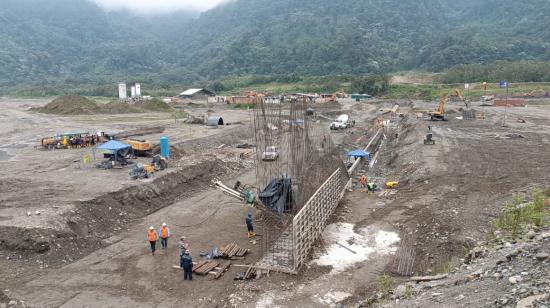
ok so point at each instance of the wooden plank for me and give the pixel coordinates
(241, 252)
(199, 265)
(204, 267)
(343, 246)
(207, 268)
(222, 270)
(233, 251)
(228, 248)
(429, 278)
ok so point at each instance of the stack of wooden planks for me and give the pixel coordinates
(232, 251)
(209, 267)
(204, 267)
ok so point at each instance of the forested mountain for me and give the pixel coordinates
(67, 42)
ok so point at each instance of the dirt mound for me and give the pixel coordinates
(69, 105)
(115, 107)
(156, 105)
(79, 105)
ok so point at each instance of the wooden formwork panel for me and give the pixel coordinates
(310, 222)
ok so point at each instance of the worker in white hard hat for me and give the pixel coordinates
(164, 233)
(186, 263)
(152, 237)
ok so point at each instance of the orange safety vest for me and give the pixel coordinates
(363, 180)
(152, 236)
(164, 232)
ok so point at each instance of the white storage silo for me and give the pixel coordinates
(122, 92)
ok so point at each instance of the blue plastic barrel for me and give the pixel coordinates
(164, 147)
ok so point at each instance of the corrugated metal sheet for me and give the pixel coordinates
(214, 121)
(190, 92)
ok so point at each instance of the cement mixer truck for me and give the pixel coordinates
(342, 122)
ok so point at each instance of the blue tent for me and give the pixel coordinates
(113, 146)
(117, 148)
(358, 153)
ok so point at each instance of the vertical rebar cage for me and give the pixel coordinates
(307, 156)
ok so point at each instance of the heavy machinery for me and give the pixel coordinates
(140, 147)
(429, 140)
(62, 141)
(439, 113)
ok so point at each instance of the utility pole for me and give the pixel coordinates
(506, 107)
(504, 84)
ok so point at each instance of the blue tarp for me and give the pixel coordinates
(358, 153)
(114, 146)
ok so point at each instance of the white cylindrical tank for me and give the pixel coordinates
(342, 118)
(138, 90)
(133, 90)
(122, 92)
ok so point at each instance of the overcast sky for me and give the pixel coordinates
(158, 6)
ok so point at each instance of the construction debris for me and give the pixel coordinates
(209, 267)
(205, 267)
(250, 272)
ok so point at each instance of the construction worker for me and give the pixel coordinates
(249, 226)
(164, 233)
(152, 237)
(363, 182)
(371, 187)
(184, 245)
(186, 263)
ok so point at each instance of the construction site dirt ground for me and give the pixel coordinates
(447, 195)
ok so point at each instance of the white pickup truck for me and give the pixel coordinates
(342, 122)
(270, 153)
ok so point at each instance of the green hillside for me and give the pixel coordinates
(59, 44)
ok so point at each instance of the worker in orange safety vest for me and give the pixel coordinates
(164, 233)
(152, 237)
(363, 181)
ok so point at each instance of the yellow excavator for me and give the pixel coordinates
(140, 147)
(439, 112)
